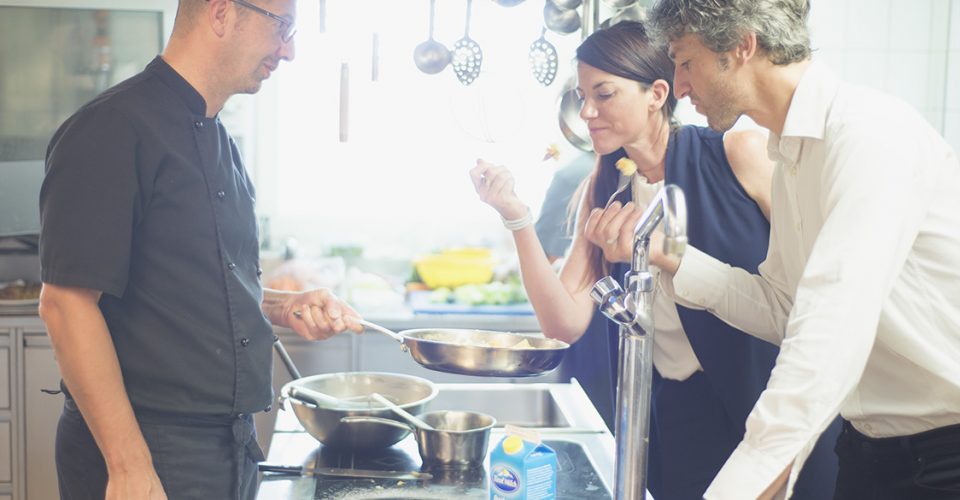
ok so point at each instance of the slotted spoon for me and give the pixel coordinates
(543, 59)
(467, 56)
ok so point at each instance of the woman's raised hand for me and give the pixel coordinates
(494, 184)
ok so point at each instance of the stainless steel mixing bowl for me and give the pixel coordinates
(323, 422)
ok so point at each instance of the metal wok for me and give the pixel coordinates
(478, 352)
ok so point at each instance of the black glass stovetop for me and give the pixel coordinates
(576, 479)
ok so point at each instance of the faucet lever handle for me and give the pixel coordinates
(603, 288)
(608, 294)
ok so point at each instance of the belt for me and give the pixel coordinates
(941, 437)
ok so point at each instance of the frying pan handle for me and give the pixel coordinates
(376, 420)
(386, 331)
(285, 358)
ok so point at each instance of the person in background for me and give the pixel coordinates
(553, 226)
(861, 280)
(150, 268)
(708, 375)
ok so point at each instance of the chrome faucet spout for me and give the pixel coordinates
(632, 309)
(670, 207)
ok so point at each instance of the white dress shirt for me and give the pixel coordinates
(673, 356)
(861, 285)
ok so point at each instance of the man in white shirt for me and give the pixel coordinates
(861, 284)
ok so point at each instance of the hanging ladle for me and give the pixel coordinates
(467, 56)
(431, 56)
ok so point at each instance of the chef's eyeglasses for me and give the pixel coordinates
(287, 28)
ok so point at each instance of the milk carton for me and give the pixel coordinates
(522, 468)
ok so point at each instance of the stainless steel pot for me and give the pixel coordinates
(560, 20)
(323, 422)
(573, 128)
(457, 439)
(479, 352)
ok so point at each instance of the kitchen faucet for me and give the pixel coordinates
(633, 311)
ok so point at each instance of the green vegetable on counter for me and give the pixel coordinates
(495, 293)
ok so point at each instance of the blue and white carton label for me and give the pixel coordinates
(523, 470)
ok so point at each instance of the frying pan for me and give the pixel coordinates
(483, 353)
(478, 352)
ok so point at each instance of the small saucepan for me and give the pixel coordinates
(457, 439)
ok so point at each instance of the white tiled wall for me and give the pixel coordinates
(951, 122)
(909, 48)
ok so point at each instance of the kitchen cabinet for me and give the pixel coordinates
(8, 420)
(42, 412)
(26, 439)
(28, 415)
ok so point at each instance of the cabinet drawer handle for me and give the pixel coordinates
(51, 391)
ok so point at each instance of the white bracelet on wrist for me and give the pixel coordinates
(518, 224)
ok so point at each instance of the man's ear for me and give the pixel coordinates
(746, 49)
(216, 16)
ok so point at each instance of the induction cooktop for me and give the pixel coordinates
(577, 477)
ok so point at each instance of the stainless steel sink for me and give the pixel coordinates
(515, 404)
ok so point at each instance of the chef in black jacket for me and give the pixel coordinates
(150, 264)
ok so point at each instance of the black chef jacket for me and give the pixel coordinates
(148, 201)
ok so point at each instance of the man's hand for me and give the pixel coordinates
(314, 314)
(141, 484)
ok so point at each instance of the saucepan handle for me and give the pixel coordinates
(285, 358)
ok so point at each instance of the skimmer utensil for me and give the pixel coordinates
(467, 56)
(543, 59)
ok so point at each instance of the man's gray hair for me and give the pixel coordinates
(780, 25)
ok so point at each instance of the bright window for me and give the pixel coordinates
(399, 185)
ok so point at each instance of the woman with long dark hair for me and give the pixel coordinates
(708, 375)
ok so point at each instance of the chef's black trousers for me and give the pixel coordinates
(195, 458)
(924, 466)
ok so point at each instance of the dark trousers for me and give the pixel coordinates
(691, 437)
(923, 466)
(194, 458)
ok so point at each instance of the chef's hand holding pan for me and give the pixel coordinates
(314, 314)
(494, 184)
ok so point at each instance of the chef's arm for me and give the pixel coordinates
(90, 369)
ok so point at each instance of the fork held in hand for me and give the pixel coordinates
(624, 182)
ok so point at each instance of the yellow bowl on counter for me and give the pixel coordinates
(456, 267)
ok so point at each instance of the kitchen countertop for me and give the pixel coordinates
(585, 474)
(23, 318)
